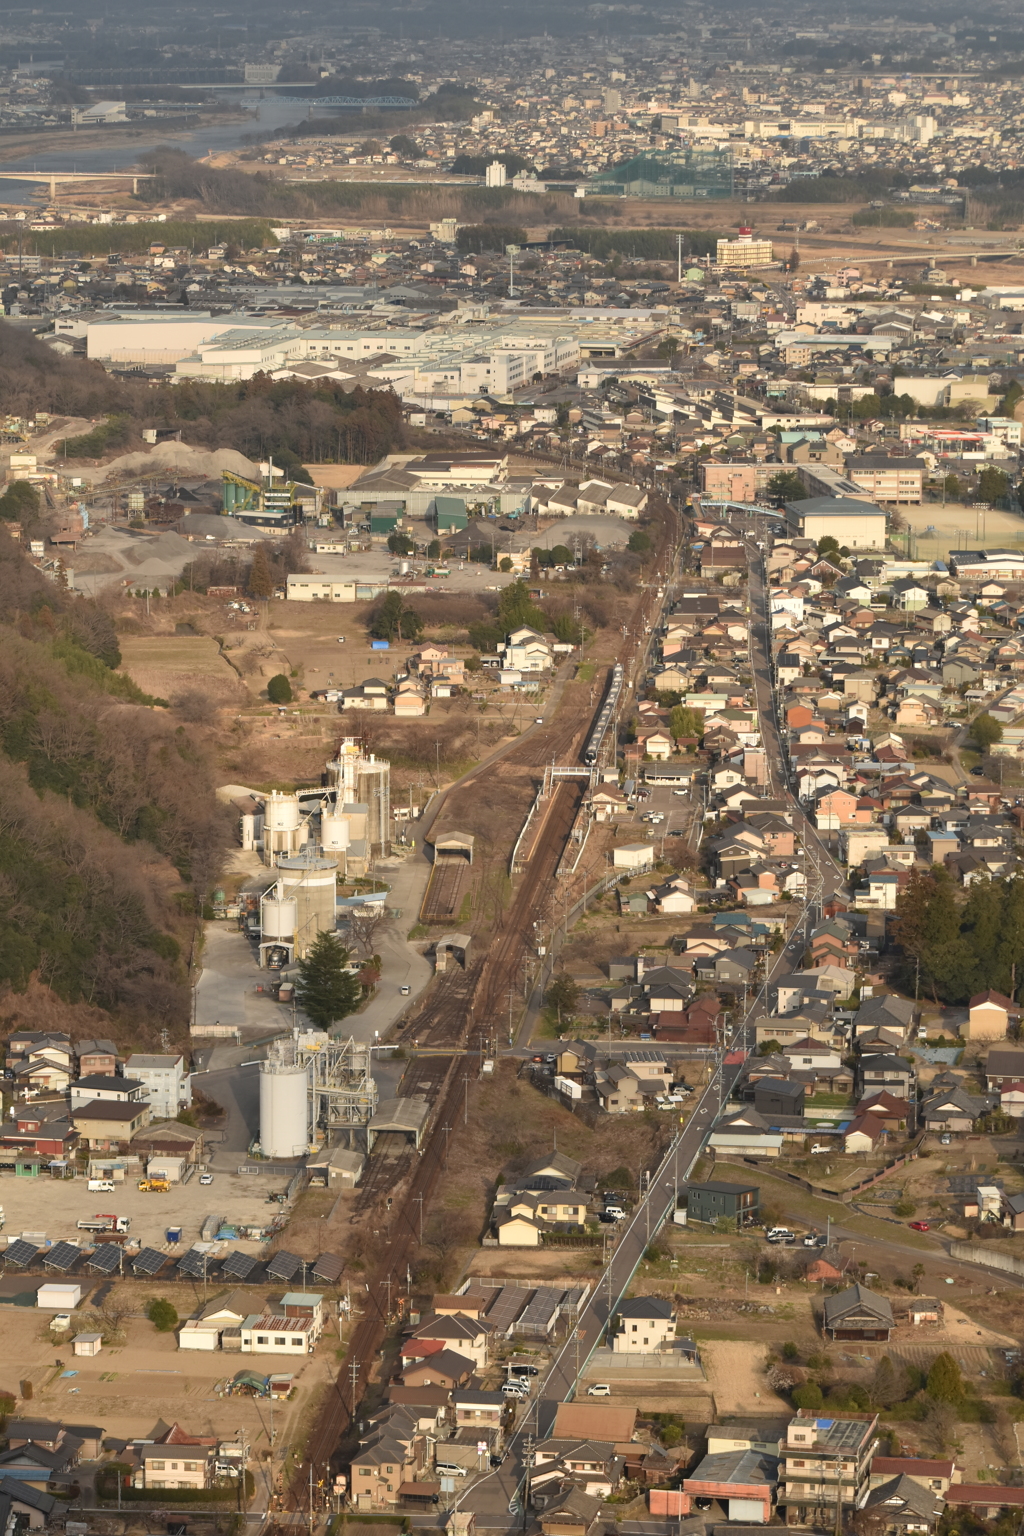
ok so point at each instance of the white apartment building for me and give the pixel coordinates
(168, 1086)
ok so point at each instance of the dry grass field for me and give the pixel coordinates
(169, 665)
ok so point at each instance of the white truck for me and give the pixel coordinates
(105, 1223)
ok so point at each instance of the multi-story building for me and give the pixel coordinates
(165, 1082)
(887, 479)
(825, 1463)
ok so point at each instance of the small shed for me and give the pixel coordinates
(59, 1296)
(453, 946)
(87, 1343)
(336, 1168)
(454, 845)
(634, 856)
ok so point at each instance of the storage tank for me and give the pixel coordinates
(278, 918)
(373, 789)
(284, 1094)
(311, 881)
(281, 824)
(335, 831)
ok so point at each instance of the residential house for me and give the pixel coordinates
(177, 1460)
(97, 1058)
(716, 1200)
(825, 1463)
(1003, 1066)
(858, 1314)
(745, 1134)
(955, 1110)
(109, 1127)
(890, 1074)
(901, 1505)
(646, 1323)
(989, 1015)
(106, 1089)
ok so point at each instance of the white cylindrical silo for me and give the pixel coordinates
(279, 918)
(281, 812)
(282, 816)
(335, 831)
(284, 1096)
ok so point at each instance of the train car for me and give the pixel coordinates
(605, 716)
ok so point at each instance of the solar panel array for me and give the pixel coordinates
(284, 1266)
(62, 1256)
(238, 1266)
(106, 1260)
(328, 1268)
(539, 1317)
(20, 1253)
(149, 1261)
(193, 1264)
(507, 1305)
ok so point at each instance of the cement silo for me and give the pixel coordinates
(310, 880)
(282, 825)
(278, 922)
(373, 789)
(284, 1109)
(335, 832)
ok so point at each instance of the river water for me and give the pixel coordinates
(271, 112)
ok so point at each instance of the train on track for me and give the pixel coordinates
(604, 719)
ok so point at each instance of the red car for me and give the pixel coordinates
(919, 1226)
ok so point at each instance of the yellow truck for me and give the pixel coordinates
(155, 1186)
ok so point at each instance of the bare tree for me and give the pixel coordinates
(447, 1233)
(364, 924)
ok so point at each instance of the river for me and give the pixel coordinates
(272, 112)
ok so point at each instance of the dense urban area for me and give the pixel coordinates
(511, 771)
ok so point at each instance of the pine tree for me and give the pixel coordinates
(261, 578)
(945, 1383)
(325, 990)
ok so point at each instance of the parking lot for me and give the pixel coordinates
(54, 1207)
(678, 807)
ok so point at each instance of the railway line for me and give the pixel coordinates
(461, 1006)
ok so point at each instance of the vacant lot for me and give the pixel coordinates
(170, 665)
(144, 1378)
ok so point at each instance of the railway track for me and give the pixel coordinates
(461, 1005)
(441, 898)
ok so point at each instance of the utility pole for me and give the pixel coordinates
(465, 1084)
(353, 1371)
(420, 1199)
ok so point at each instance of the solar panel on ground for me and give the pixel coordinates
(238, 1266)
(506, 1307)
(21, 1253)
(328, 1268)
(283, 1266)
(62, 1256)
(106, 1260)
(572, 1301)
(193, 1264)
(149, 1261)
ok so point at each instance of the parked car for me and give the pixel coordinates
(920, 1226)
(780, 1235)
(945, 1139)
(405, 990)
(819, 1147)
(206, 1178)
(599, 1389)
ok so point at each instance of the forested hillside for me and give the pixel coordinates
(110, 835)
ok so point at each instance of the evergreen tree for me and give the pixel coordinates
(985, 731)
(945, 1384)
(685, 721)
(261, 578)
(279, 689)
(325, 989)
(516, 607)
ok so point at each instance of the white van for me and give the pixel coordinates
(101, 1186)
(449, 1469)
